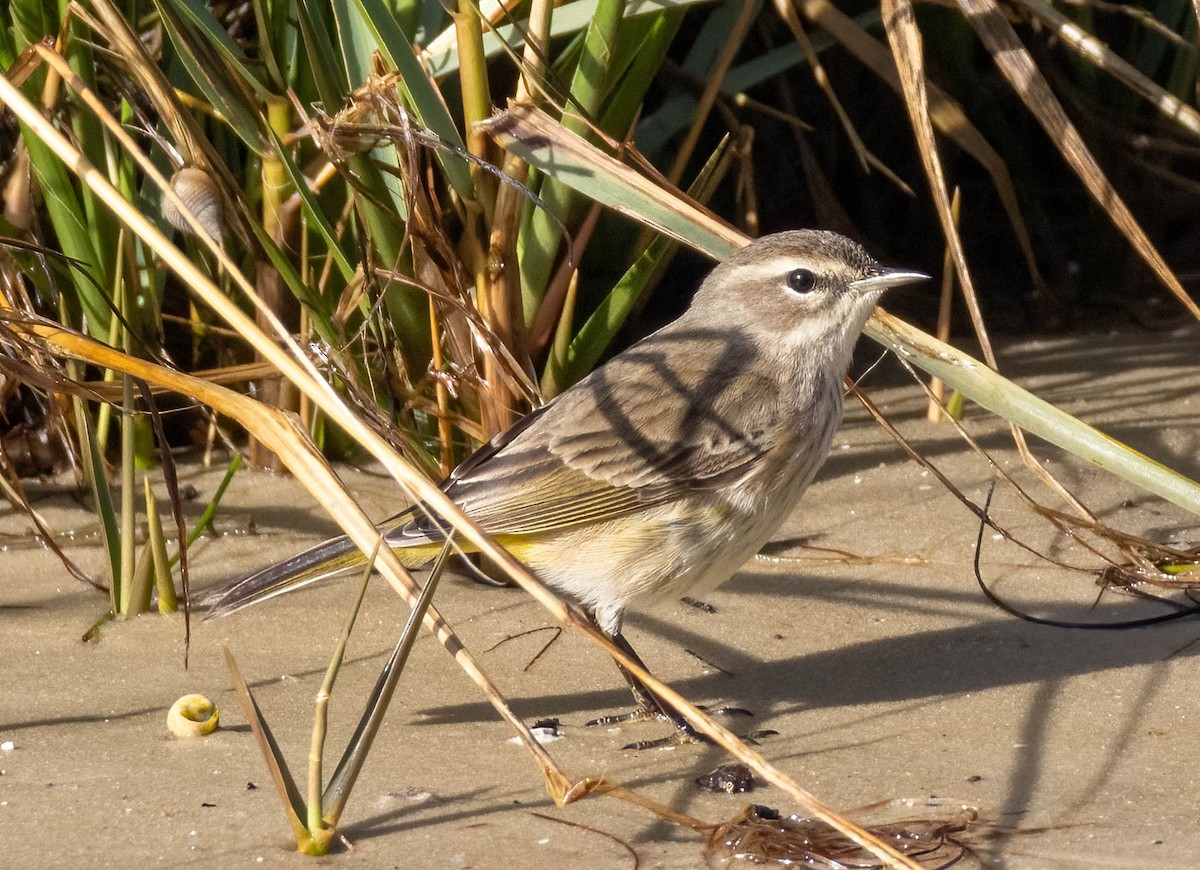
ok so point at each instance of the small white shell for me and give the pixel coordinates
(199, 193)
(192, 716)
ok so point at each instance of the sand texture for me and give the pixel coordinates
(860, 637)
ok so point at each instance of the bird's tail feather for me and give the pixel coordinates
(335, 556)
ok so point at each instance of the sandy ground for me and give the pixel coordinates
(885, 671)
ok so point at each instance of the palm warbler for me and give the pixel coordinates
(664, 470)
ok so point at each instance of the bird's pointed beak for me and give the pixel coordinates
(885, 279)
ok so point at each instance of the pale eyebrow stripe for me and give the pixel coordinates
(776, 267)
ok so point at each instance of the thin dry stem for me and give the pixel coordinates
(907, 50)
(712, 88)
(934, 410)
(303, 460)
(787, 12)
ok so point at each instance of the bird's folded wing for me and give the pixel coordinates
(599, 453)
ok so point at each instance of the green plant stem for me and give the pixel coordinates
(105, 411)
(93, 475)
(533, 57)
(553, 380)
(275, 189)
(128, 510)
(541, 239)
(157, 543)
(321, 831)
(205, 520)
(344, 777)
(477, 107)
(128, 453)
(476, 96)
(505, 276)
(138, 596)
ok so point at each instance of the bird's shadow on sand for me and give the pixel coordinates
(911, 668)
(984, 654)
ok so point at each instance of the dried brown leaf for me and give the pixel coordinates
(944, 111)
(1015, 62)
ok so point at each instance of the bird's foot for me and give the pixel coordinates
(645, 713)
(682, 736)
(649, 711)
(684, 733)
(679, 737)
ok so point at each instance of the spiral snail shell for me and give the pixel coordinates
(193, 716)
(199, 193)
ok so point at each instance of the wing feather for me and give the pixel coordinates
(629, 436)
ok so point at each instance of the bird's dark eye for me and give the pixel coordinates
(801, 280)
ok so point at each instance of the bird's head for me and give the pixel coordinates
(803, 291)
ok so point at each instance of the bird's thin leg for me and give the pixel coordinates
(649, 706)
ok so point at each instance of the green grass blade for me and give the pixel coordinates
(318, 819)
(277, 41)
(545, 146)
(8, 48)
(640, 55)
(137, 599)
(381, 207)
(356, 44)
(93, 468)
(355, 38)
(293, 801)
(287, 272)
(342, 781)
(420, 94)
(126, 489)
(657, 128)
(313, 209)
(206, 31)
(156, 541)
(329, 75)
(90, 272)
(216, 67)
(601, 327)
(210, 509)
